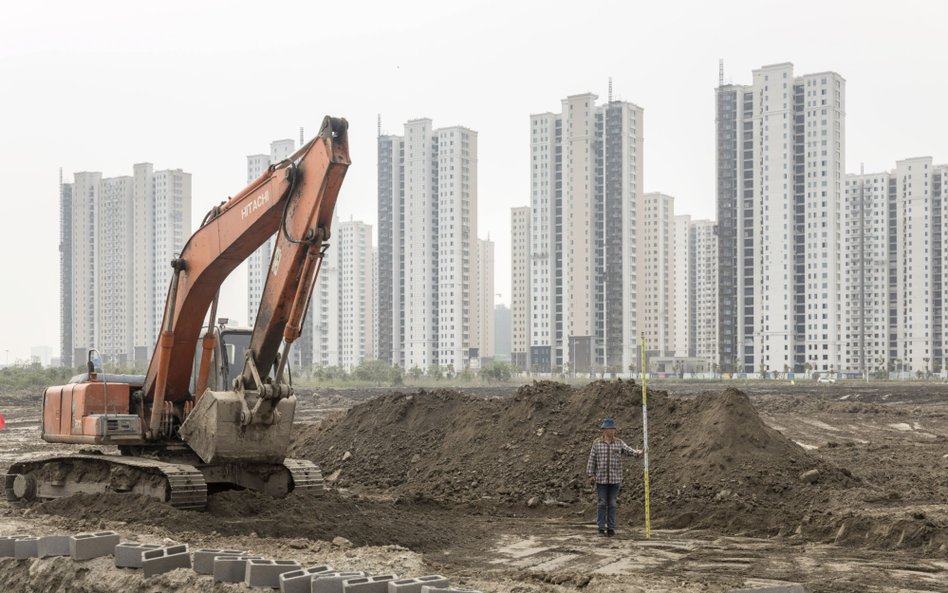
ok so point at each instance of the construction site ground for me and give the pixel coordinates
(842, 488)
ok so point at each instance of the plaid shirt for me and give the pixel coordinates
(605, 462)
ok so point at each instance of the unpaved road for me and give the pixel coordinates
(893, 438)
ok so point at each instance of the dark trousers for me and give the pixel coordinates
(606, 509)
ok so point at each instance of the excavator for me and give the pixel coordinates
(214, 411)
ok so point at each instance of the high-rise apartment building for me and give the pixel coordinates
(118, 237)
(895, 269)
(65, 274)
(657, 274)
(586, 188)
(520, 294)
(484, 294)
(683, 285)
(357, 325)
(428, 247)
(780, 155)
(704, 286)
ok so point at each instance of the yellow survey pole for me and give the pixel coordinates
(648, 526)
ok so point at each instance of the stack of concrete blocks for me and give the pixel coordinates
(266, 573)
(788, 588)
(373, 584)
(332, 582)
(165, 559)
(301, 581)
(414, 585)
(232, 569)
(129, 554)
(8, 545)
(204, 558)
(86, 546)
(54, 545)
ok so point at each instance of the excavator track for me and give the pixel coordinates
(54, 476)
(306, 476)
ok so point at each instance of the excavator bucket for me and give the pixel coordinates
(214, 431)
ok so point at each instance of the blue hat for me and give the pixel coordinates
(608, 423)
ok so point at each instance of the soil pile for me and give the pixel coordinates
(713, 461)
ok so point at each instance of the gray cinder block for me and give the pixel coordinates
(414, 585)
(165, 559)
(7, 545)
(204, 559)
(54, 545)
(231, 569)
(373, 584)
(86, 546)
(129, 554)
(789, 588)
(266, 573)
(301, 581)
(26, 547)
(332, 582)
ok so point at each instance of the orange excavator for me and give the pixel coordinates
(213, 411)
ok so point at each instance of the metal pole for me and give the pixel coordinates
(648, 525)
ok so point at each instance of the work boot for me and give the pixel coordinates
(611, 532)
(602, 531)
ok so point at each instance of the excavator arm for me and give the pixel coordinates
(294, 199)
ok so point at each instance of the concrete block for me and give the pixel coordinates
(301, 581)
(7, 545)
(373, 584)
(430, 589)
(165, 559)
(86, 546)
(54, 545)
(332, 582)
(231, 569)
(266, 573)
(204, 558)
(129, 554)
(26, 547)
(788, 588)
(414, 585)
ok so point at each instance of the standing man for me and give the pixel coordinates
(605, 469)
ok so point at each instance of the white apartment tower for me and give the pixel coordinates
(704, 285)
(356, 257)
(865, 220)
(683, 287)
(780, 149)
(520, 287)
(586, 187)
(657, 274)
(484, 295)
(118, 237)
(428, 250)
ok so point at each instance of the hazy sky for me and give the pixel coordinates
(98, 86)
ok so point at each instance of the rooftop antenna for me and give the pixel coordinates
(380, 126)
(301, 136)
(721, 72)
(610, 89)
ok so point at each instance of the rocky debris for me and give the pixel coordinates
(810, 477)
(341, 542)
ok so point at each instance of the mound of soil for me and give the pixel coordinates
(713, 462)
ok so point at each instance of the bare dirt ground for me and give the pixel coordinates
(495, 505)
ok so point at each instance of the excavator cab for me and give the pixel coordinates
(227, 358)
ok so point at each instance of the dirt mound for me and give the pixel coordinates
(236, 513)
(713, 461)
